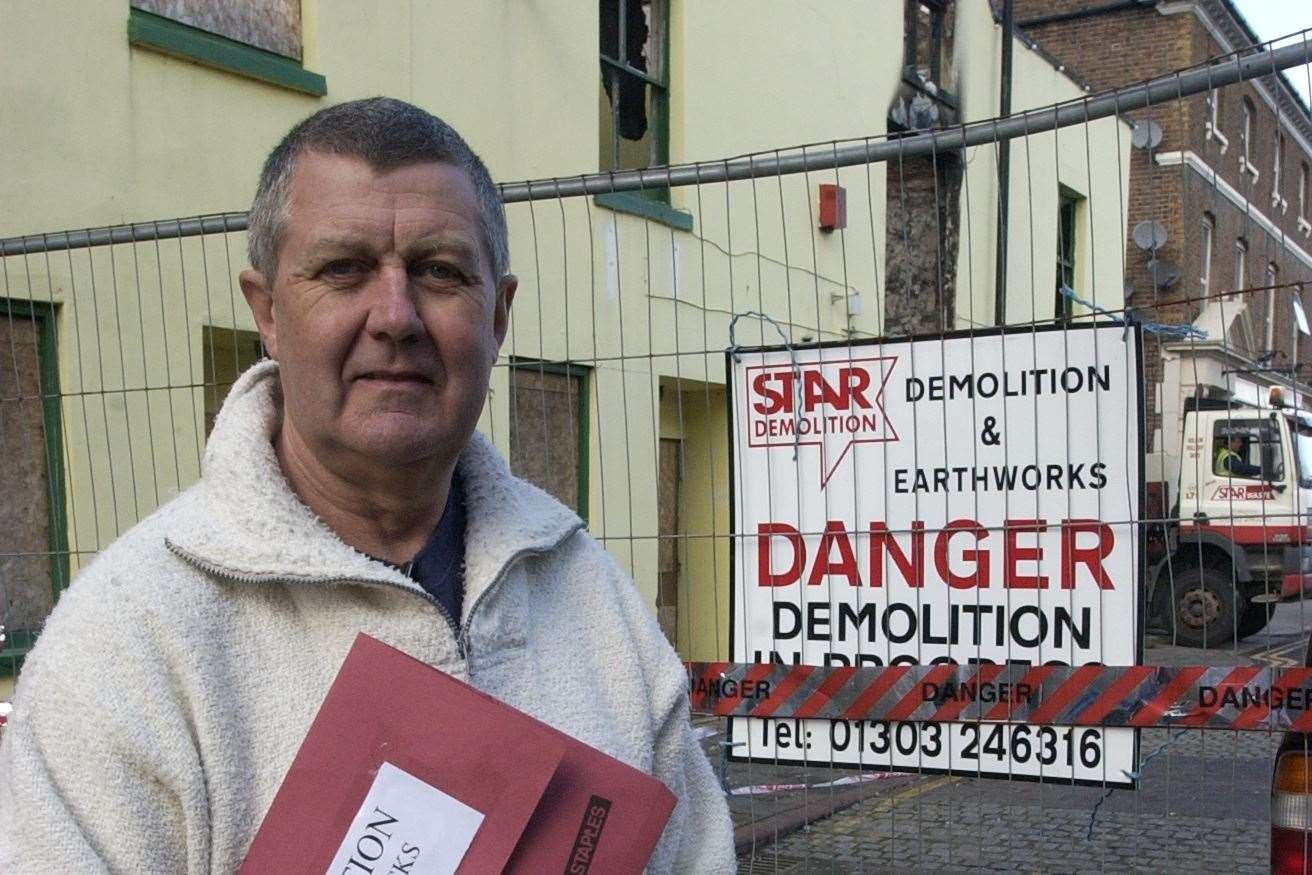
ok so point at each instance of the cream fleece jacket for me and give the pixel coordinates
(175, 680)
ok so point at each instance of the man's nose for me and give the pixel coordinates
(392, 312)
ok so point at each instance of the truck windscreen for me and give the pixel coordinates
(1302, 451)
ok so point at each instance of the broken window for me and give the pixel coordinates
(634, 84)
(926, 98)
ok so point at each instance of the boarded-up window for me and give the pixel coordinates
(272, 25)
(227, 352)
(32, 561)
(548, 429)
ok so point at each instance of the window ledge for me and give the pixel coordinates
(1246, 166)
(160, 34)
(635, 204)
(1214, 134)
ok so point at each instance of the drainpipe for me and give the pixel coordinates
(1004, 171)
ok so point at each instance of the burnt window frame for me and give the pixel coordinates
(939, 10)
(657, 83)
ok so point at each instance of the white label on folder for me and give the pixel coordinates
(406, 825)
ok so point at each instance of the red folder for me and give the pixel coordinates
(549, 800)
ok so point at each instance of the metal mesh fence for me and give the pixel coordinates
(624, 389)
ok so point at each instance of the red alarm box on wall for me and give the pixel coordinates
(833, 206)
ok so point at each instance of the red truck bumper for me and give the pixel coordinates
(1294, 585)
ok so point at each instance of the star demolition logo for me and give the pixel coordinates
(1244, 492)
(830, 405)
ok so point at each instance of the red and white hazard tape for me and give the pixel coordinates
(1219, 697)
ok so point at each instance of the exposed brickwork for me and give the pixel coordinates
(923, 238)
(1116, 49)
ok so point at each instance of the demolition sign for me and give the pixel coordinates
(962, 500)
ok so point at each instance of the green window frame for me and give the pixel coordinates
(19, 642)
(157, 33)
(635, 89)
(1063, 307)
(583, 374)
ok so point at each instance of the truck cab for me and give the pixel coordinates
(1240, 541)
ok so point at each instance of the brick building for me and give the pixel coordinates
(1230, 180)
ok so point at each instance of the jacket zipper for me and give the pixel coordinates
(462, 641)
(224, 574)
(461, 632)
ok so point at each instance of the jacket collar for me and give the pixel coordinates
(251, 526)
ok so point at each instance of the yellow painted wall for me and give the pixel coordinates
(115, 134)
(112, 133)
(1092, 161)
(696, 413)
(704, 585)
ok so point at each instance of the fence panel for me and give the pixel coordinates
(624, 388)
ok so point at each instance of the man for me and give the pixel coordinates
(175, 680)
(1230, 460)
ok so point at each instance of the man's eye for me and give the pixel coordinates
(341, 269)
(439, 271)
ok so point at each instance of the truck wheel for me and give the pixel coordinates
(1253, 619)
(1205, 603)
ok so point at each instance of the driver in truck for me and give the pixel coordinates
(1230, 461)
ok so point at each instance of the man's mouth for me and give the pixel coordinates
(396, 377)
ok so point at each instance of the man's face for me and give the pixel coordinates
(385, 314)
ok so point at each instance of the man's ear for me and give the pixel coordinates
(259, 297)
(501, 307)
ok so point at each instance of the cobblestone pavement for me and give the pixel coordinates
(1206, 794)
(1184, 818)
(766, 794)
(1202, 804)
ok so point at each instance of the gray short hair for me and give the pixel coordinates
(386, 133)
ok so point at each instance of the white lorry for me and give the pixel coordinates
(1229, 496)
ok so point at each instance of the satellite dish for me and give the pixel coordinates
(1146, 135)
(1149, 235)
(1163, 273)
